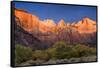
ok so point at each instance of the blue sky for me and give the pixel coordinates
(57, 12)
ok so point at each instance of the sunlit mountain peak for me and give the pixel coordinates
(61, 23)
(49, 22)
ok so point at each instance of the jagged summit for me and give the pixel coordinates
(61, 23)
(49, 22)
(86, 26)
(32, 23)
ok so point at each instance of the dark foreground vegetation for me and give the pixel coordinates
(60, 52)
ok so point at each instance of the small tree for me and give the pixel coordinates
(59, 50)
(22, 54)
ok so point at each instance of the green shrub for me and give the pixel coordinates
(91, 51)
(52, 53)
(40, 55)
(59, 44)
(22, 54)
(59, 50)
(82, 50)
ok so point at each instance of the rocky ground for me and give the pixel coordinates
(59, 61)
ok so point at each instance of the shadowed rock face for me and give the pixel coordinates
(27, 38)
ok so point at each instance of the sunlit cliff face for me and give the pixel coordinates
(86, 26)
(46, 25)
(28, 21)
(32, 23)
(61, 23)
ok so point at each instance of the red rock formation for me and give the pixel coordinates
(61, 23)
(26, 20)
(32, 23)
(86, 26)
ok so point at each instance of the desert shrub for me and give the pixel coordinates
(59, 44)
(59, 50)
(40, 55)
(82, 50)
(53, 53)
(91, 51)
(22, 54)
